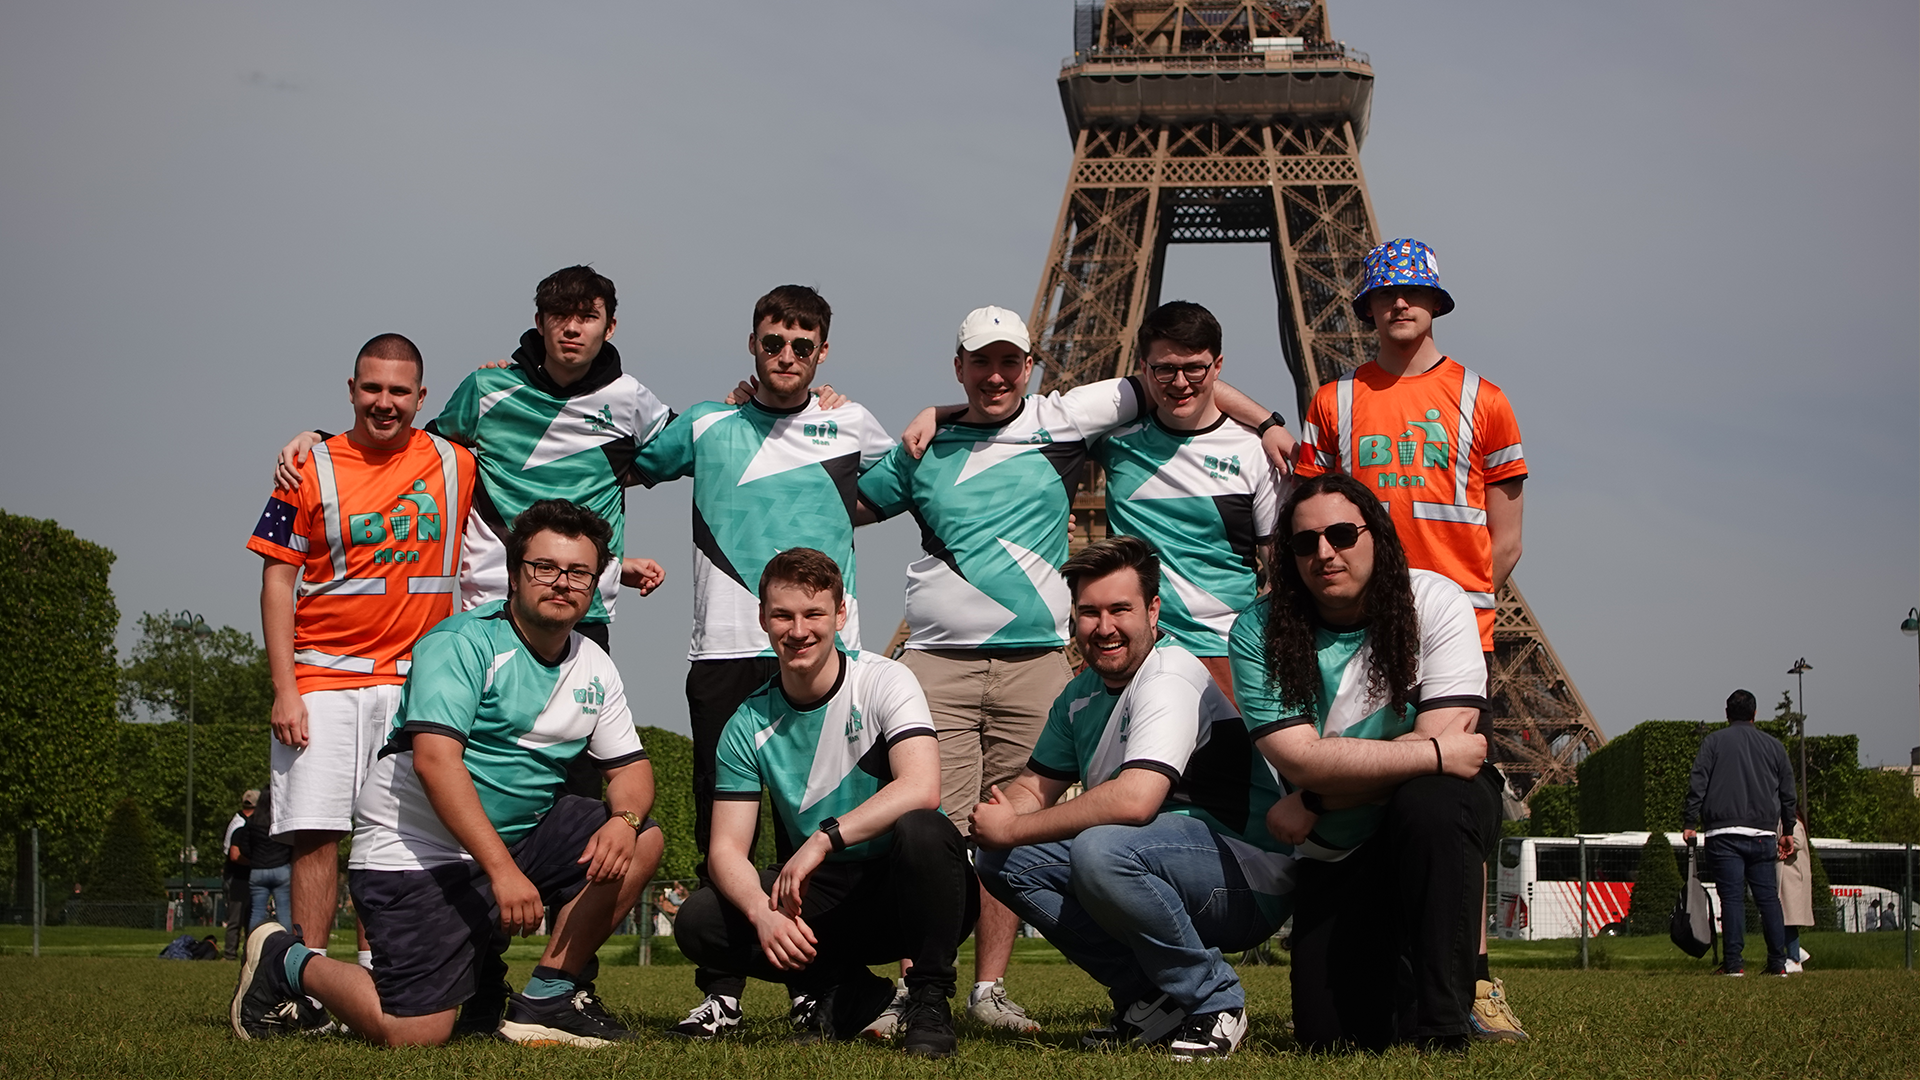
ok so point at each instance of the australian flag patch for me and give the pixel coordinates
(276, 523)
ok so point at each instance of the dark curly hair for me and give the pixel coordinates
(1292, 663)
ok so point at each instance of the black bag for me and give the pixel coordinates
(1691, 924)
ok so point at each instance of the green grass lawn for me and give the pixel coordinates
(98, 1004)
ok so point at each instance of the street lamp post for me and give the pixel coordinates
(1911, 628)
(1799, 671)
(197, 631)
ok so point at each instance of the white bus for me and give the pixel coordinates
(1538, 882)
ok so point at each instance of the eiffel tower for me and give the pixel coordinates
(1240, 121)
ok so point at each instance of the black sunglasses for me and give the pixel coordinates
(802, 347)
(1340, 535)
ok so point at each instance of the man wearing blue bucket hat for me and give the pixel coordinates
(1439, 446)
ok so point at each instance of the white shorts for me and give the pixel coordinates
(314, 788)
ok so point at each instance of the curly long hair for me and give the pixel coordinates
(1292, 664)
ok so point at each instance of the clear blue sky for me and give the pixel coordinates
(1685, 238)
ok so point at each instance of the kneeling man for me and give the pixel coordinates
(462, 833)
(877, 873)
(1362, 681)
(1165, 860)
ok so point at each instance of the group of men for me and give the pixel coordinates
(1277, 716)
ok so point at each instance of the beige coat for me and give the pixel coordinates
(1796, 882)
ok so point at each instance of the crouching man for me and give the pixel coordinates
(843, 744)
(462, 833)
(1165, 860)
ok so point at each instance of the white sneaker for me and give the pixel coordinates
(888, 1022)
(1794, 968)
(1805, 955)
(993, 1009)
(715, 1016)
(1208, 1036)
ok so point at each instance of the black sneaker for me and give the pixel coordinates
(927, 1023)
(1209, 1036)
(264, 1004)
(806, 1015)
(480, 1014)
(562, 1020)
(713, 1017)
(854, 1004)
(1732, 972)
(1143, 1023)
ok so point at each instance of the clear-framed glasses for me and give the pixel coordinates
(546, 573)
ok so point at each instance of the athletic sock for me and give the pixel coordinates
(547, 982)
(980, 989)
(1481, 971)
(364, 958)
(295, 960)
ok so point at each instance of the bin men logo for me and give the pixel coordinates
(822, 433)
(591, 696)
(601, 422)
(415, 518)
(1424, 442)
(1220, 468)
(853, 723)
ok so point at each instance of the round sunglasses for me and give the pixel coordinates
(1340, 535)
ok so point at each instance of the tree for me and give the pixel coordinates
(227, 680)
(57, 688)
(1553, 809)
(125, 869)
(1825, 915)
(1656, 887)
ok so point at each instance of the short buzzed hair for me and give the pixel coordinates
(814, 571)
(391, 347)
(1740, 706)
(1110, 556)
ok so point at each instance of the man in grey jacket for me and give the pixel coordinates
(1741, 795)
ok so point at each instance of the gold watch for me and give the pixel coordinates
(632, 819)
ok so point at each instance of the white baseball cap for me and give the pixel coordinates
(984, 326)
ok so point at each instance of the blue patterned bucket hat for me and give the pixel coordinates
(1400, 262)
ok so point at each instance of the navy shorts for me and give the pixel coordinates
(427, 928)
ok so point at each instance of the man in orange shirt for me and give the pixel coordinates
(360, 562)
(1439, 446)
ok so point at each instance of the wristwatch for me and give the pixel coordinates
(831, 826)
(631, 819)
(1272, 421)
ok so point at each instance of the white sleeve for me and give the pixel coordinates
(896, 703)
(1097, 408)
(1266, 497)
(875, 443)
(1165, 725)
(1453, 670)
(650, 415)
(614, 742)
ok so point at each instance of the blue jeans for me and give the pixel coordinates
(1144, 910)
(1739, 863)
(277, 882)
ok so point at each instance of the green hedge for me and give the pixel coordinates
(672, 757)
(1553, 810)
(1656, 887)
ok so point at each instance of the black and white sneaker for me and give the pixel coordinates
(562, 1020)
(927, 1024)
(1143, 1023)
(806, 1015)
(264, 1004)
(715, 1016)
(480, 1014)
(1209, 1036)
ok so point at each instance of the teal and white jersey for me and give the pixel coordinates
(1452, 673)
(535, 440)
(1172, 718)
(764, 480)
(992, 503)
(521, 720)
(1207, 499)
(820, 759)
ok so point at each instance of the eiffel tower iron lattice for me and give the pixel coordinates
(1240, 121)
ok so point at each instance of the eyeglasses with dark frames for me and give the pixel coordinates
(546, 573)
(1195, 373)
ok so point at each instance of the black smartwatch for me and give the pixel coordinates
(1272, 421)
(831, 826)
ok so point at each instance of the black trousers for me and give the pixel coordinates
(239, 908)
(715, 689)
(1386, 941)
(918, 901)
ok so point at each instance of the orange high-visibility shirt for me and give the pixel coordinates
(1428, 445)
(378, 539)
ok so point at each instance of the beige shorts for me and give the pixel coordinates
(988, 708)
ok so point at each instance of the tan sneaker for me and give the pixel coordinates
(994, 1010)
(1492, 1017)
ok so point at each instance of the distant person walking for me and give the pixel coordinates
(1741, 796)
(233, 875)
(269, 865)
(1796, 894)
